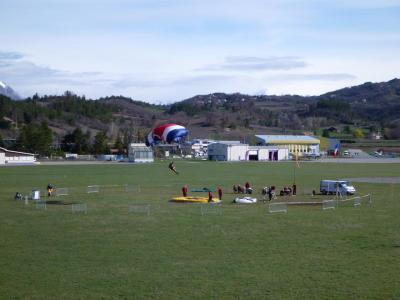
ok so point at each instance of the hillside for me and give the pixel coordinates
(8, 91)
(218, 115)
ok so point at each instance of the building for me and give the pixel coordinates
(227, 151)
(139, 152)
(302, 145)
(199, 147)
(232, 151)
(15, 157)
(376, 135)
(267, 153)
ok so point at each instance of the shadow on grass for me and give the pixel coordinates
(58, 202)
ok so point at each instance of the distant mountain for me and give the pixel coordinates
(8, 91)
(218, 115)
(369, 92)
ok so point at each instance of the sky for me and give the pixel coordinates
(161, 51)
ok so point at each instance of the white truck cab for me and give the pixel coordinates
(333, 186)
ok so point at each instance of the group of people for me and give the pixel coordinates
(246, 189)
(49, 188)
(270, 192)
(288, 191)
(220, 193)
(210, 194)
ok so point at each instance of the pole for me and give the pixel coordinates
(294, 172)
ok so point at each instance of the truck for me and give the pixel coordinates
(336, 186)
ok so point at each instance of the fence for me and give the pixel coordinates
(369, 197)
(62, 191)
(79, 208)
(132, 188)
(140, 209)
(211, 209)
(41, 205)
(93, 189)
(277, 207)
(329, 204)
(357, 201)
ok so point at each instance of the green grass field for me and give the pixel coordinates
(176, 253)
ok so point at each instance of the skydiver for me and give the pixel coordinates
(171, 166)
(50, 189)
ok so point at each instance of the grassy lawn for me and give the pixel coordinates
(176, 253)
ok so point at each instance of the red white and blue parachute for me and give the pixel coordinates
(167, 133)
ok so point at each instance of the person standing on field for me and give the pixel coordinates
(220, 193)
(210, 196)
(185, 191)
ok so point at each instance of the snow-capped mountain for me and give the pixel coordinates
(8, 91)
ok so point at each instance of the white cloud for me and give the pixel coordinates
(252, 63)
(10, 55)
(315, 77)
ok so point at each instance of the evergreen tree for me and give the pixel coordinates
(326, 133)
(119, 145)
(127, 138)
(76, 142)
(35, 138)
(100, 144)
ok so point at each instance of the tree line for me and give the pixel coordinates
(39, 139)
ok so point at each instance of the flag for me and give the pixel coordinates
(335, 153)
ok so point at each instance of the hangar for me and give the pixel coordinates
(15, 157)
(302, 145)
(228, 151)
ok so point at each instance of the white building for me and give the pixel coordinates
(269, 153)
(226, 151)
(199, 147)
(15, 157)
(139, 152)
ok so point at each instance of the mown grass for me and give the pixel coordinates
(175, 253)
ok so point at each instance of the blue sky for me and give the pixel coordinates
(166, 50)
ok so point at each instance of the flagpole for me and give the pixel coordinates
(294, 168)
(294, 172)
(296, 164)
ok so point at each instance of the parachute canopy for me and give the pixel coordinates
(167, 133)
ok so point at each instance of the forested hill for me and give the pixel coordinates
(378, 102)
(217, 115)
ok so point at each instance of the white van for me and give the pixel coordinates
(332, 186)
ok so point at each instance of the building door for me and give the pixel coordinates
(253, 155)
(273, 155)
